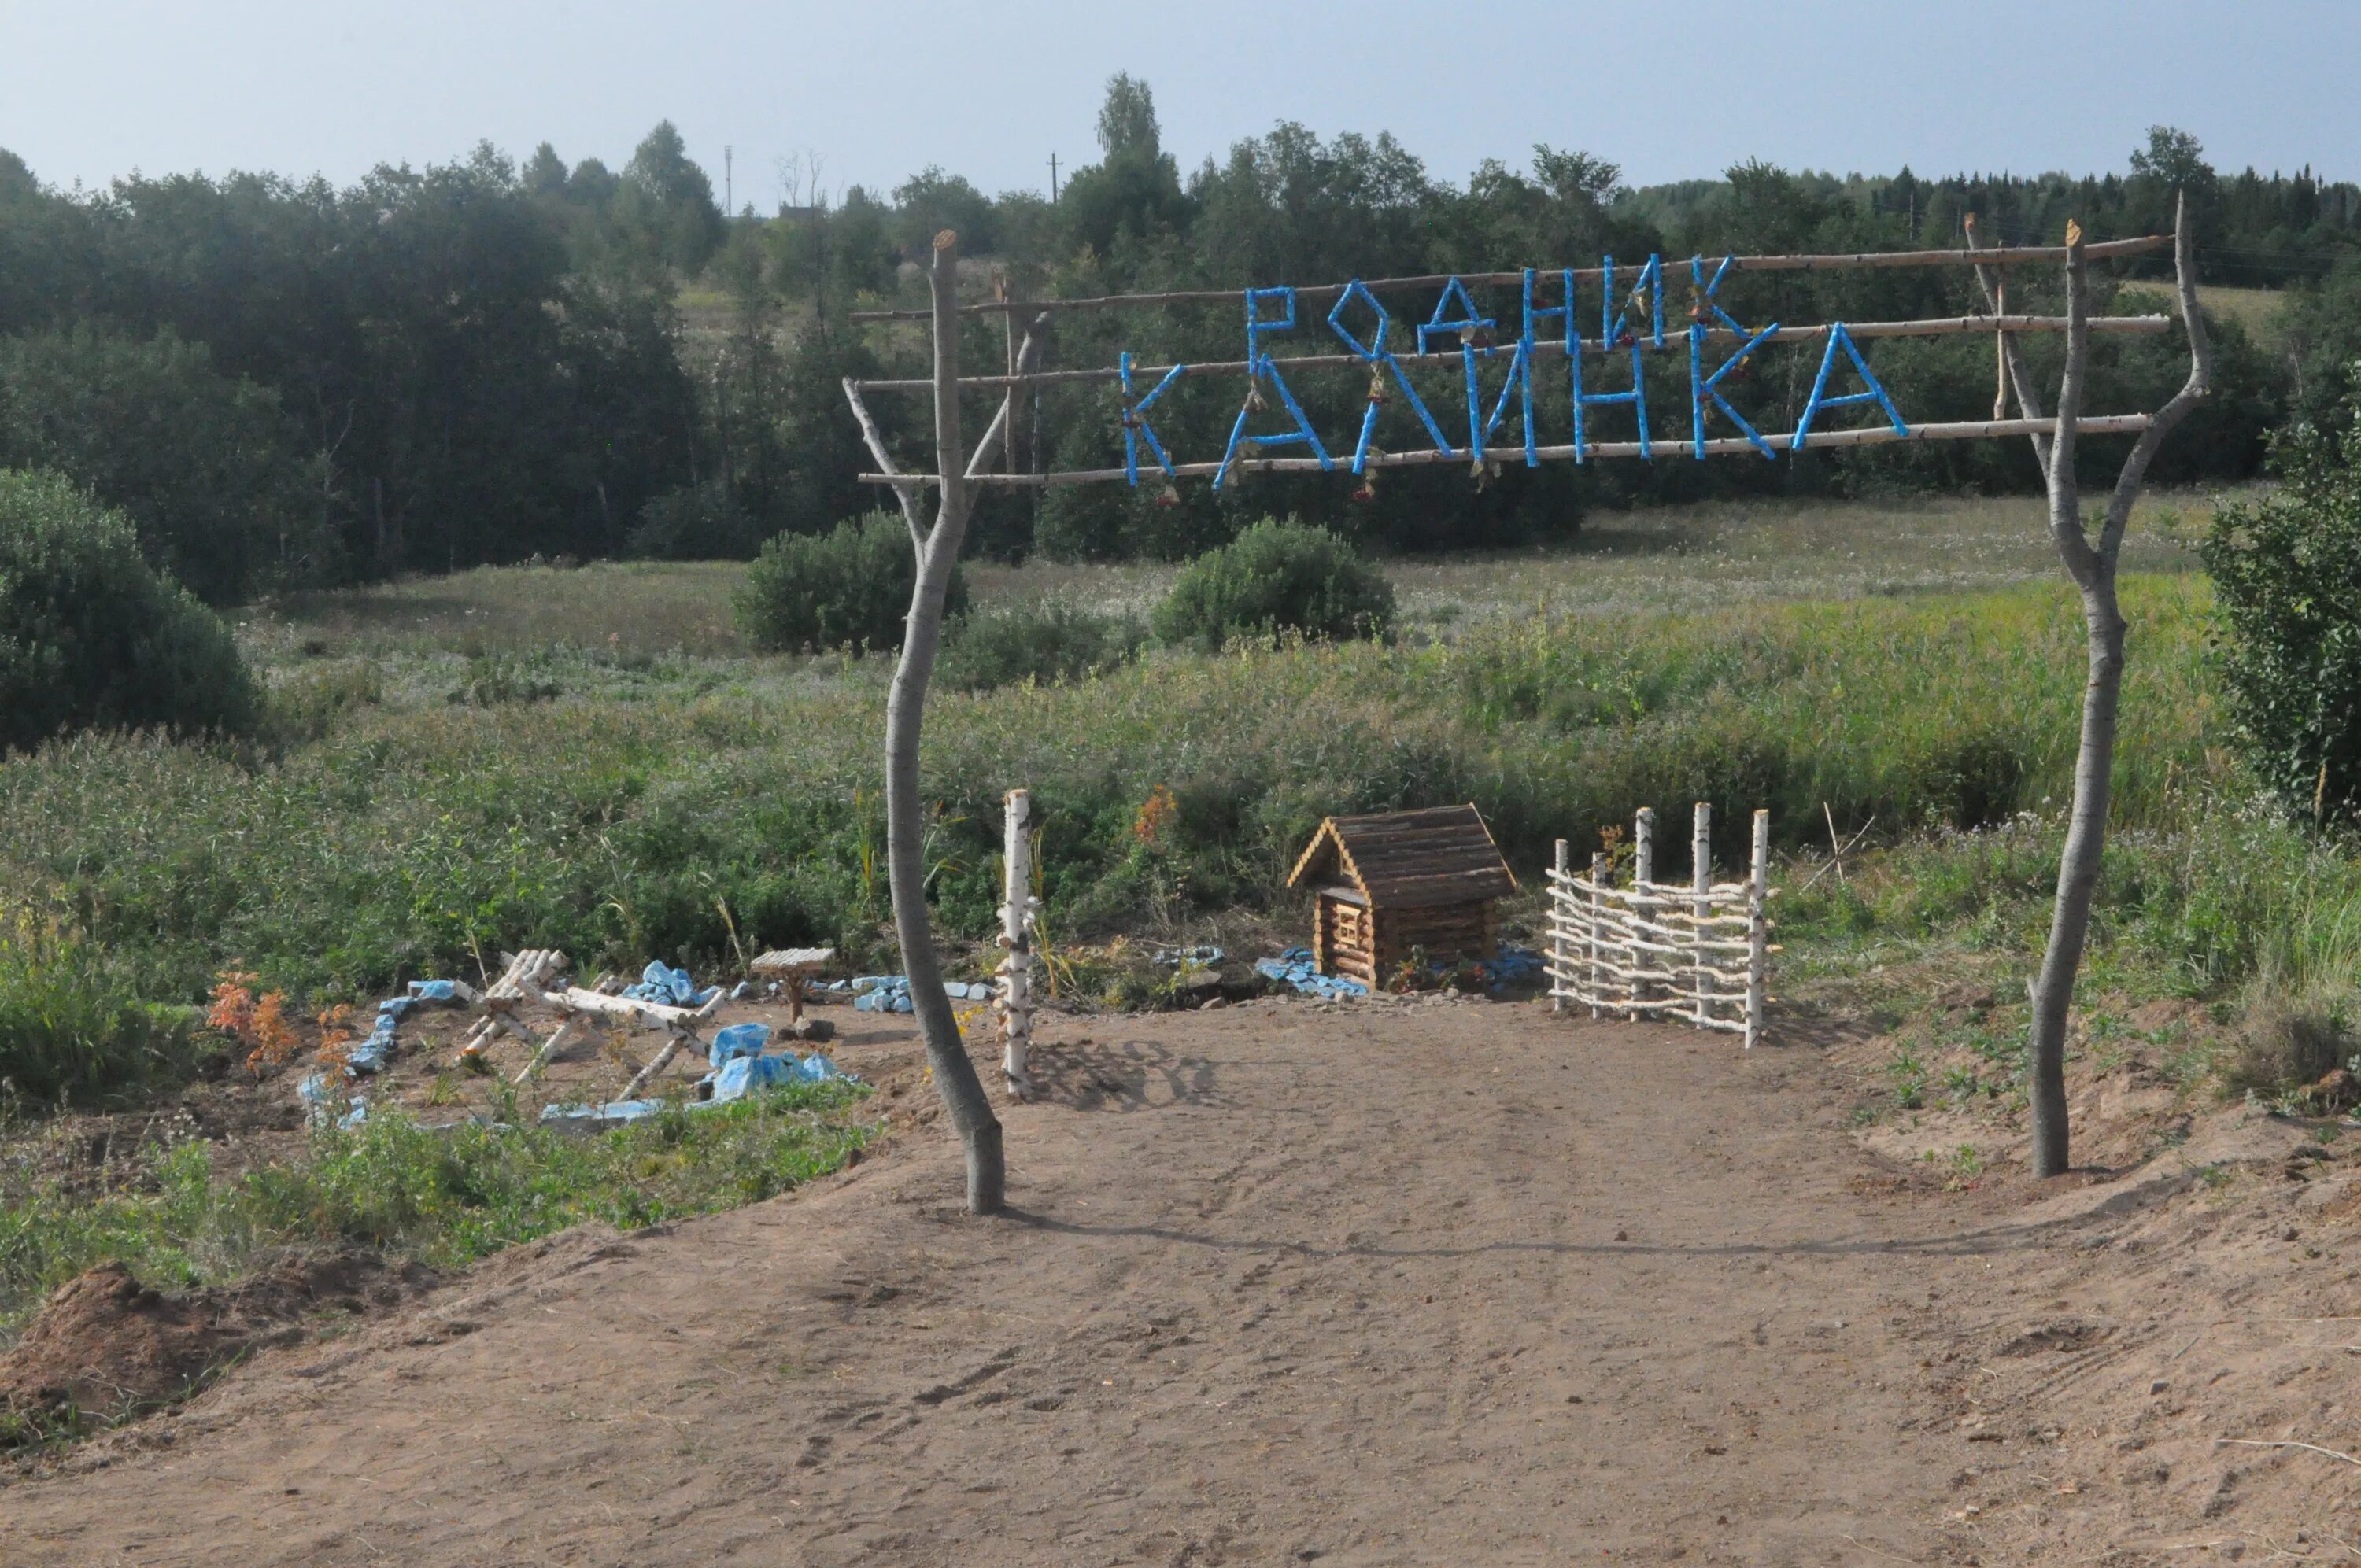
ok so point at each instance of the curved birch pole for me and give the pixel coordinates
(937, 549)
(2091, 566)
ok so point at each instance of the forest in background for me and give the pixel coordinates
(286, 384)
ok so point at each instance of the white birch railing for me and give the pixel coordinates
(1658, 950)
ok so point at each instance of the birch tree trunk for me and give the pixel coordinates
(2091, 564)
(938, 552)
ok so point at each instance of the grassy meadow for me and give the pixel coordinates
(587, 758)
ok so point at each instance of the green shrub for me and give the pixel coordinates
(91, 637)
(1276, 577)
(1049, 642)
(850, 588)
(2287, 585)
(69, 1028)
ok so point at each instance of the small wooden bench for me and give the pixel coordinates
(793, 966)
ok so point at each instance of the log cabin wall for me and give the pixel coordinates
(1446, 931)
(1344, 938)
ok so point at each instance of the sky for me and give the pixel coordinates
(873, 90)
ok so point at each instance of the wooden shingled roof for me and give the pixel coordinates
(1443, 854)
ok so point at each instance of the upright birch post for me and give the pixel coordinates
(1643, 882)
(2091, 566)
(1758, 928)
(1701, 884)
(1598, 870)
(937, 551)
(1557, 928)
(1016, 908)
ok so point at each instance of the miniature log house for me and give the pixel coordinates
(1384, 884)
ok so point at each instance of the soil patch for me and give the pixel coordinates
(104, 1347)
(1373, 1283)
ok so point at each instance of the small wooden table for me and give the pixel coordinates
(792, 966)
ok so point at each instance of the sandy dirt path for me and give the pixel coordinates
(1456, 1284)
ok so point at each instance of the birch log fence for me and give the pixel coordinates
(1664, 949)
(1647, 949)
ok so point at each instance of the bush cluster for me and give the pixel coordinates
(846, 590)
(1276, 579)
(91, 637)
(695, 522)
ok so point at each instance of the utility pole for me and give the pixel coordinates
(729, 193)
(1053, 179)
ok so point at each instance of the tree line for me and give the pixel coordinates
(285, 383)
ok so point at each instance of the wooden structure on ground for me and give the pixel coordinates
(521, 979)
(1697, 955)
(1549, 309)
(793, 968)
(680, 1024)
(1387, 885)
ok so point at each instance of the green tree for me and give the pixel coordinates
(1134, 189)
(931, 201)
(2287, 585)
(204, 464)
(545, 173)
(91, 637)
(667, 202)
(2172, 163)
(1127, 118)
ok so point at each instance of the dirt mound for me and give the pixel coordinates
(104, 1347)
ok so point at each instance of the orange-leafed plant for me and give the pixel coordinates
(233, 1009)
(258, 1023)
(336, 1034)
(1155, 814)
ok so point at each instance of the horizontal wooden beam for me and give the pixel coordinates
(1720, 336)
(1999, 256)
(1513, 454)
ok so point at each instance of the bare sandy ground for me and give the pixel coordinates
(1460, 1284)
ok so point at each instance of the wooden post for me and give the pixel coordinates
(2092, 564)
(565, 1027)
(1598, 904)
(1017, 935)
(1701, 884)
(1643, 883)
(1559, 903)
(1758, 928)
(937, 550)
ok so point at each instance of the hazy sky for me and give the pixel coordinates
(94, 89)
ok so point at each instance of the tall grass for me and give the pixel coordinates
(422, 834)
(72, 1028)
(444, 1197)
